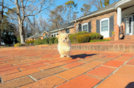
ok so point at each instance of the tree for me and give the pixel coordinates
(71, 5)
(11, 18)
(85, 9)
(106, 2)
(99, 3)
(1, 16)
(26, 8)
(43, 24)
(8, 32)
(57, 17)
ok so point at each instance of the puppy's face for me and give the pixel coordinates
(63, 38)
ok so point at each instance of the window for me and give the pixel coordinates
(67, 31)
(54, 34)
(104, 24)
(85, 27)
(46, 36)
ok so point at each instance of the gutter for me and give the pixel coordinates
(56, 30)
(93, 14)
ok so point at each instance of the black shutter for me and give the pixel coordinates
(111, 24)
(80, 27)
(98, 26)
(89, 26)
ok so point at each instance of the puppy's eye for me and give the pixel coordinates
(65, 38)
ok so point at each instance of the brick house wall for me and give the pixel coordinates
(93, 20)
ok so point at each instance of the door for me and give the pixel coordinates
(104, 27)
(130, 25)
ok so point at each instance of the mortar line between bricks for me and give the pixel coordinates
(112, 72)
(94, 76)
(15, 78)
(19, 69)
(75, 77)
(32, 78)
(49, 75)
(61, 83)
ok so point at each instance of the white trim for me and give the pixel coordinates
(54, 34)
(71, 26)
(108, 26)
(56, 30)
(83, 25)
(121, 3)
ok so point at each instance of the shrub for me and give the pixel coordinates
(56, 41)
(83, 38)
(38, 42)
(29, 41)
(18, 39)
(45, 41)
(17, 45)
(72, 37)
(95, 36)
(51, 40)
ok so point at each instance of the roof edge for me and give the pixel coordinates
(93, 14)
(121, 3)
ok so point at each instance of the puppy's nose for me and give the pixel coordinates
(65, 38)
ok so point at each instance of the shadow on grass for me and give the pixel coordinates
(130, 85)
(81, 56)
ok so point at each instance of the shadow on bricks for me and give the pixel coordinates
(81, 56)
(130, 85)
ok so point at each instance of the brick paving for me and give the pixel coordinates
(38, 68)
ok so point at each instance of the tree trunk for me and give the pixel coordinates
(22, 41)
(0, 36)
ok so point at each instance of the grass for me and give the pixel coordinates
(100, 40)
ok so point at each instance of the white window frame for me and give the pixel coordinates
(54, 34)
(104, 20)
(83, 25)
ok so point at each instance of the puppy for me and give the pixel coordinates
(64, 45)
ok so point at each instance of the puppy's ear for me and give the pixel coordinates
(57, 36)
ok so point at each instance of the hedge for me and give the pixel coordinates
(72, 37)
(38, 42)
(45, 41)
(56, 41)
(83, 38)
(51, 40)
(95, 36)
(29, 41)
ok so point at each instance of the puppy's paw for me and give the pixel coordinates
(68, 55)
(61, 56)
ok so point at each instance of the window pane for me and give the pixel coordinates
(67, 30)
(104, 25)
(84, 27)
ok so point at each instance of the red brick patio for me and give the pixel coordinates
(38, 68)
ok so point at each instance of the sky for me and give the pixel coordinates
(62, 2)
(79, 2)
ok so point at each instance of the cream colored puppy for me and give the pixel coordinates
(64, 45)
